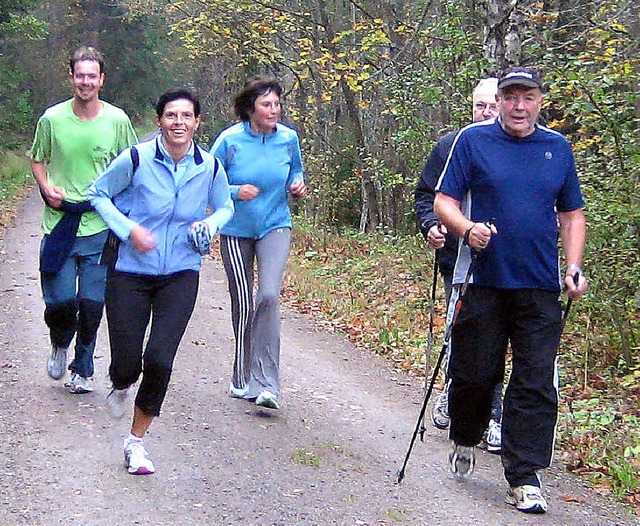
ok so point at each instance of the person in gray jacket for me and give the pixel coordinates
(154, 197)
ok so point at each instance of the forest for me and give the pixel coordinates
(370, 86)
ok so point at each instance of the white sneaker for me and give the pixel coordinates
(527, 499)
(493, 438)
(440, 411)
(267, 399)
(237, 392)
(116, 402)
(137, 458)
(462, 460)
(79, 384)
(57, 362)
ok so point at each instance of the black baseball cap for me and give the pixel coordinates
(519, 76)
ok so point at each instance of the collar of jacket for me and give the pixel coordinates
(197, 155)
(263, 136)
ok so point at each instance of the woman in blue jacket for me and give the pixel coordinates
(154, 197)
(262, 159)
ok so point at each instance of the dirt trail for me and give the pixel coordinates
(329, 456)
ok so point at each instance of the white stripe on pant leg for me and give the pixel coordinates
(239, 276)
(556, 385)
(242, 293)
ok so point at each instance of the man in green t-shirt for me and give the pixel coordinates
(74, 142)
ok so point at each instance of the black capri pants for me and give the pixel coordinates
(132, 300)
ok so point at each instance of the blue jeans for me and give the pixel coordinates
(74, 300)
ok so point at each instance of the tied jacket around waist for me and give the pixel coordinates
(166, 198)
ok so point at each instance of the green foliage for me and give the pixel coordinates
(371, 285)
(15, 173)
(13, 8)
(600, 439)
(15, 96)
(17, 112)
(371, 92)
(593, 98)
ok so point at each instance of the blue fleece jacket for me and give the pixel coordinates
(164, 197)
(271, 163)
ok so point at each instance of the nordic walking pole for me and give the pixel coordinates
(447, 337)
(427, 354)
(565, 314)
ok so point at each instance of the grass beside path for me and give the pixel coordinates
(377, 290)
(15, 182)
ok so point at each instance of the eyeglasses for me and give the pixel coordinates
(481, 106)
(174, 116)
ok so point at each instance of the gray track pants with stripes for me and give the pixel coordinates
(256, 328)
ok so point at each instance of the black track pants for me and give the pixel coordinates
(490, 319)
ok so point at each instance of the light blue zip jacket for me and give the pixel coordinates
(164, 197)
(271, 162)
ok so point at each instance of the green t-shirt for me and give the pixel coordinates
(76, 153)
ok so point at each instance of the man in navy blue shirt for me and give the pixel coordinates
(509, 190)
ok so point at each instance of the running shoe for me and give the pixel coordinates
(116, 402)
(237, 392)
(267, 399)
(440, 411)
(57, 362)
(527, 499)
(462, 460)
(137, 458)
(79, 384)
(493, 437)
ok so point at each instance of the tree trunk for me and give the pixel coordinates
(370, 208)
(504, 24)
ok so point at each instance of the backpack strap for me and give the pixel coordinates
(216, 165)
(135, 158)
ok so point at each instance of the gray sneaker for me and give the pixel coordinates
(57, 362)
(79, 384)
(493, 437)
(440, 411)
(527, 499)
(267, 399)
(116, 402)
(238, 392)
(462, 460)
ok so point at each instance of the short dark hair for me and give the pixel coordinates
(175, 94)
(86, 53)
(244, 102)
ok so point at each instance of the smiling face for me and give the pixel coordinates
(178, 123)
(266, 113)
(87, 80)
(519, 109)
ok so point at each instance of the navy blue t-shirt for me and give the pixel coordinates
(520, 183)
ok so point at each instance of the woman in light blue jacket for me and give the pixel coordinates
(263, 162)
(154, 197)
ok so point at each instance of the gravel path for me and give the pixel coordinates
(329, 456)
